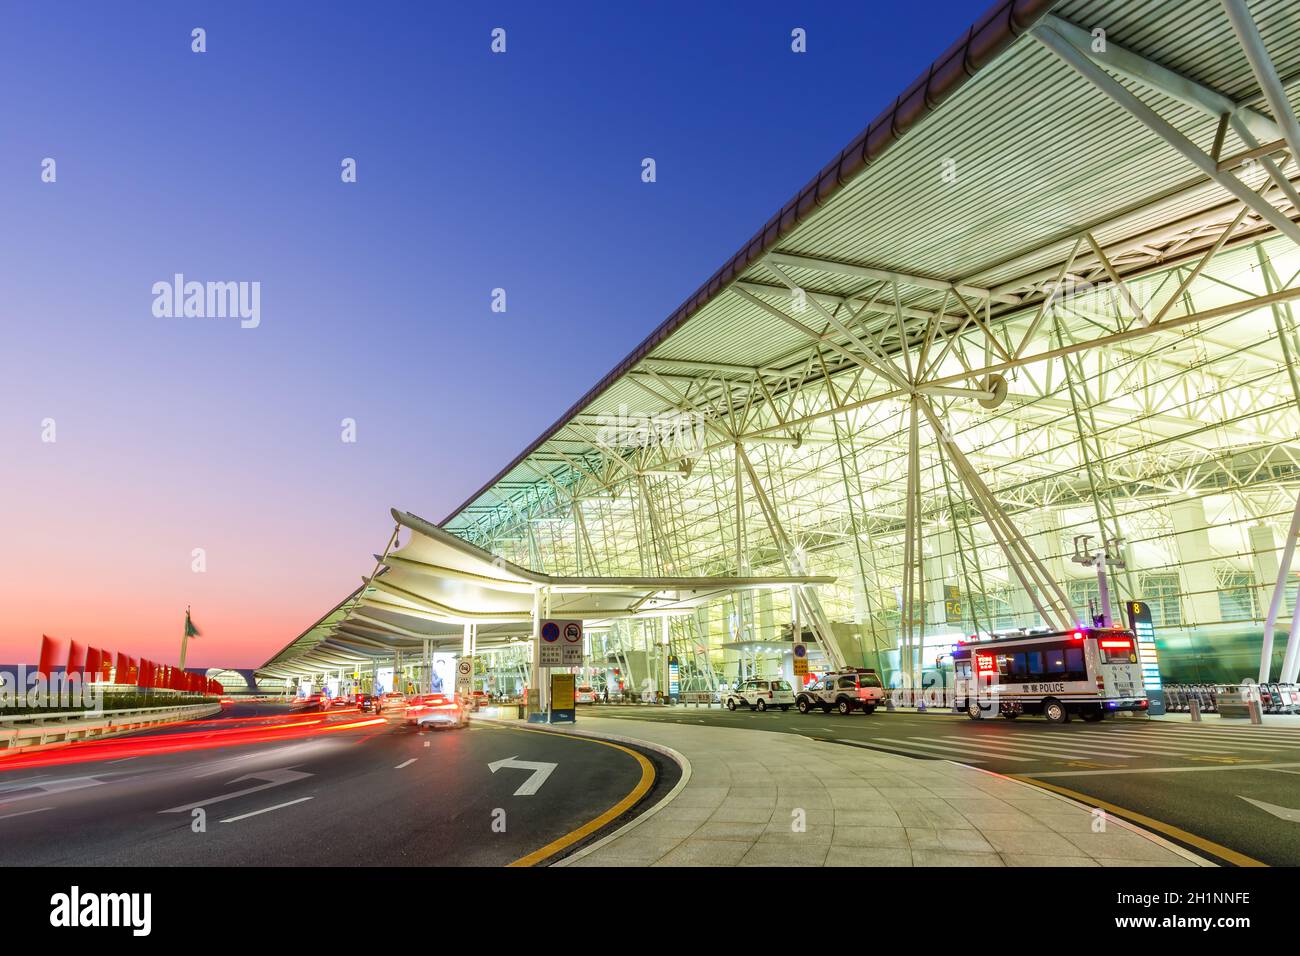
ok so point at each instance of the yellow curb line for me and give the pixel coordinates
(613, 813)
(1201, 843)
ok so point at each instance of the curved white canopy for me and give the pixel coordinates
(433, 585)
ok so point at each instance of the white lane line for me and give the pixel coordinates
(10, 816)
(273, 778)
(1188, 745)
(1172, 750)
(1148, 738)
(1215, 769)
(278, 806)
(1224, 734)
(919, 742)
(1046, 749)
(1228, 733)
(1217, 725)
(406, 763)
(897, 748)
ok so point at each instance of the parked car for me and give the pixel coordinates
(847, 690)
(586, 694)
(760, 693)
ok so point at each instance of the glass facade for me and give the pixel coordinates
(1180, 447)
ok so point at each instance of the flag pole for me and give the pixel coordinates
(185, 637)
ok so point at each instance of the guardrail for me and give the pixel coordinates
(30, 730)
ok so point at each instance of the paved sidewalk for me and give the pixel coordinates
(739, 803)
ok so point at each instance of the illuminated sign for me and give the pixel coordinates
(952, 609)
(1139, 615)
(985, 664)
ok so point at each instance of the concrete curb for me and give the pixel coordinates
(685, 764)
(1076, 804)
(677, 758)
(1110, 817)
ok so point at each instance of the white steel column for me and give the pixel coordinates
(535, 677)
(1192, 544)
(1274, 607)
(667, 631)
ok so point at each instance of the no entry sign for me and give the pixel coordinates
(561, 644)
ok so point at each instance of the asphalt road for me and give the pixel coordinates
(278, 789)
(1228, 791)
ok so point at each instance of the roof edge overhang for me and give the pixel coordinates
(988, 37)
(540, 580)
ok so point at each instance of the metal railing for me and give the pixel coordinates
(28, 730)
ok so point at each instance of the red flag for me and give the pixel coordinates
(132, 671)
(120, 671)
(93, 663)
(106, 665)
(76, 659)
(50, 651)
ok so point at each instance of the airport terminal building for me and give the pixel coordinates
(1039, 316)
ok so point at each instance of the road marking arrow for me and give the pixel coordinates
(274, 778)
(534, 783)
(1282, 813)
(43, 787)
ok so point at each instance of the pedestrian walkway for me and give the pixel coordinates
(761, 798)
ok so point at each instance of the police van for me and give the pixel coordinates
(1087, 672)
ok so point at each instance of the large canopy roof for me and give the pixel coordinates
(429, 588)
(970, 192)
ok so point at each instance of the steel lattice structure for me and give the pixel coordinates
(1049, 293)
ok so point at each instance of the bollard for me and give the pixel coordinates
(1256, 717)
(1194, 708)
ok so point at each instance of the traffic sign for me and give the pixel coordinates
(561, 644)
(800, 660)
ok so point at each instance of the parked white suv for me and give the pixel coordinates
(760, 694)
(845, 691)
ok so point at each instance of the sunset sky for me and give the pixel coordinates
(475, 171)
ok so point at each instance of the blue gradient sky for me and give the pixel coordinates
(475, 171)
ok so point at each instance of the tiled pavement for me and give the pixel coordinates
(745, 792)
